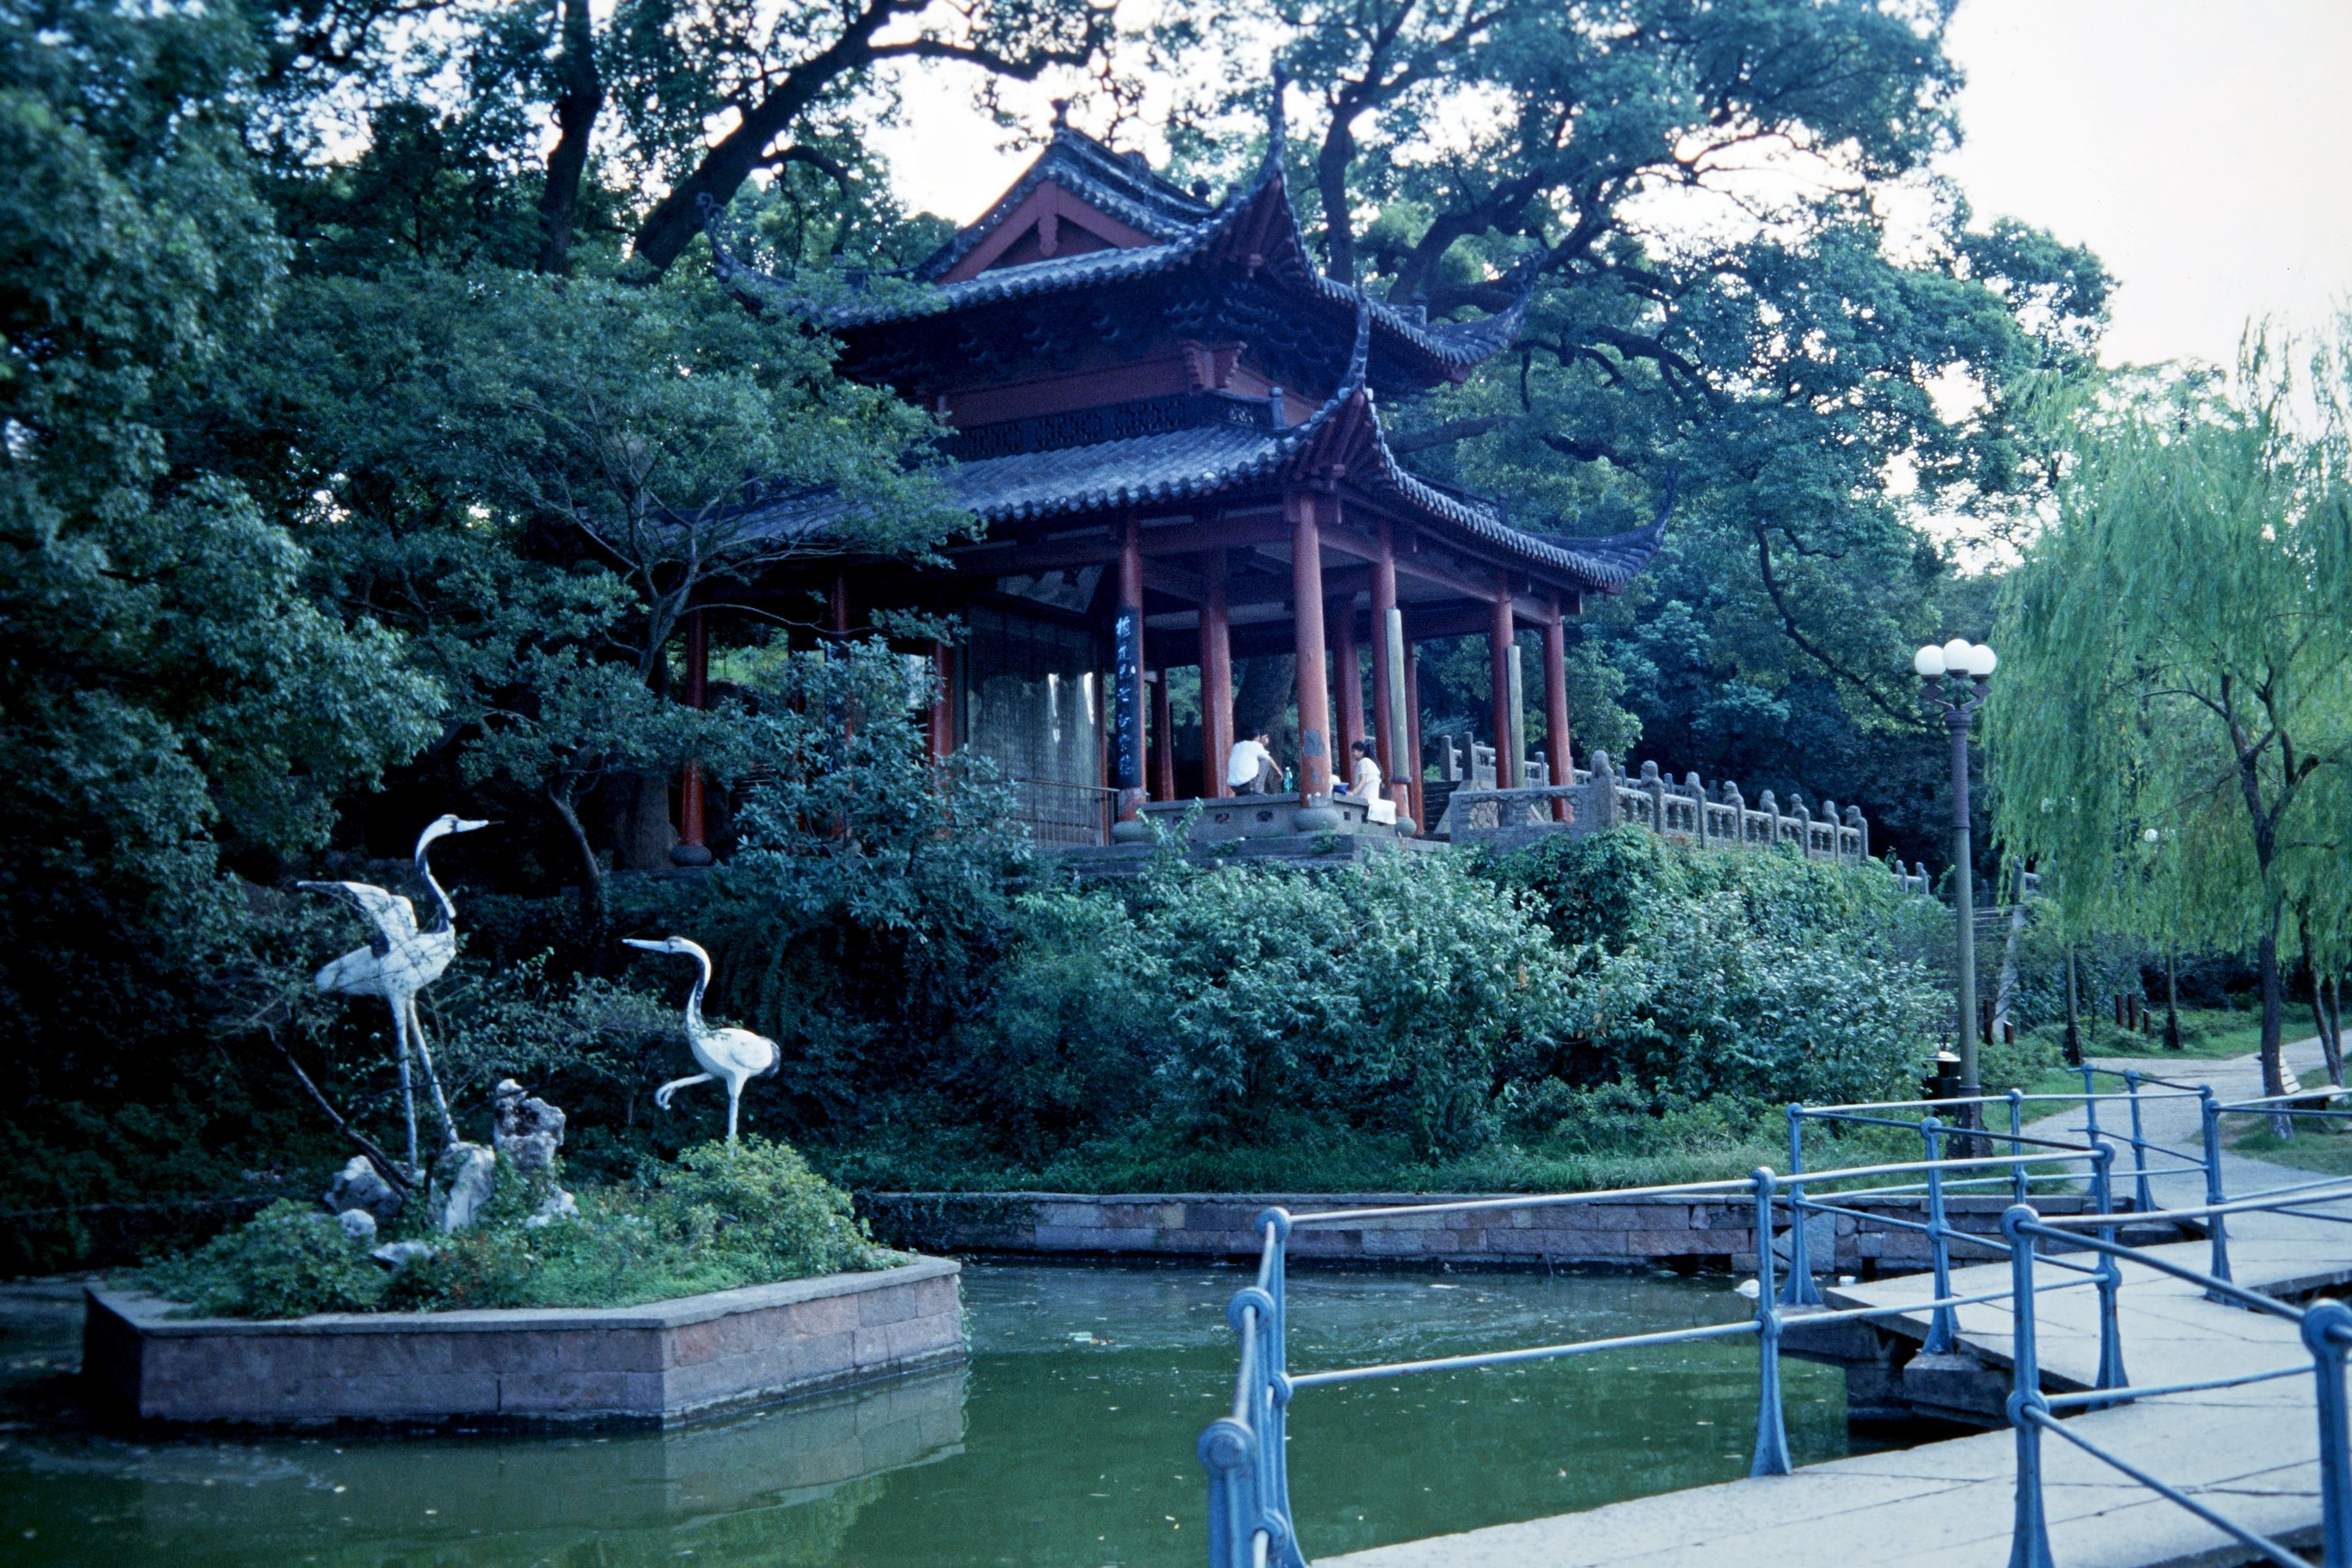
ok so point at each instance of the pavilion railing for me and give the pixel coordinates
(1250, 1517)
(1603, 798)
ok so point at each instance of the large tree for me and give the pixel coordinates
(1706, 196)
(2173, 717)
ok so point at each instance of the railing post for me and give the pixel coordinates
(2090, 1101)
(2327, 1328)
(2217, 1230)
(2029, 1540)
(2017, 1180)
(1771, 1427)
(1226, 1451)
(2142, 1200)
(1943, 1324)
(1800, 1291)
(2110, 1274)
(1274, 1461)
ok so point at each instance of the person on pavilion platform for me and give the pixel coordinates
(1250, 770)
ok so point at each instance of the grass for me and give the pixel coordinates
(2322, 1145)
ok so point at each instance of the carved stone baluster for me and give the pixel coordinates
(1603, 793)
(1860, 825)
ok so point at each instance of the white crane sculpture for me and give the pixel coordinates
(399, 962)
(736, 1055)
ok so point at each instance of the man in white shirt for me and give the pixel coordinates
(1250, 769)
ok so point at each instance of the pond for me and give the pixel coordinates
(1066, 1443)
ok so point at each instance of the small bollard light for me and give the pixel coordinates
(1943, 1080)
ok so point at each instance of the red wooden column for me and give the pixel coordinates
(1555, 675)
(1313, 691)
(1498, 654)
(1126, 680)
(837, 605)
(1163, 739)
(1216, 679)
(1347, 681)
(690, 850)
(1413, 733)
(1385, 680)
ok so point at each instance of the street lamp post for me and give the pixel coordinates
(1954, 677)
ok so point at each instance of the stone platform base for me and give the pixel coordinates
(655, 1365)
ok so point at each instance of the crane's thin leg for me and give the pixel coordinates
(661, 1095)
(407, 1094)
(734, 1103)
(432, 1078)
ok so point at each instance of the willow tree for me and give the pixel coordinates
(2174, 716)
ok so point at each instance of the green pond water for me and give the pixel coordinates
(1066, 1442)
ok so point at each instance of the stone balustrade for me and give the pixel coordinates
(1601, 798)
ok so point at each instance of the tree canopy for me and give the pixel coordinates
(2174, 714)
(369, 413)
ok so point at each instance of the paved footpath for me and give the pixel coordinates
(2248, 1453)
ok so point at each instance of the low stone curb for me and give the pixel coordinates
(1714, 1233)
(657, 1365)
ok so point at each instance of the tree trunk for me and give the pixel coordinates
(2273, 1020)
(595, 913)
(2332, 1033)
(1331, 162)
(2074, 1026)
(575, 120)
(2173, 1000)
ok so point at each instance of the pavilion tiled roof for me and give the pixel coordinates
(1253, 225)
(1255, 220)
(1179, 466)
(1083, 166)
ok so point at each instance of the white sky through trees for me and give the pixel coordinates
(2202, 148)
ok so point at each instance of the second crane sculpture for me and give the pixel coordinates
(736, 1056)
(400, 961)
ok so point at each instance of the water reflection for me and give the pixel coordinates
(1067, 1441)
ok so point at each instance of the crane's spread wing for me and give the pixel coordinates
(394, 917)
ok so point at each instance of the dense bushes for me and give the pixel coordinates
(1389, 998)
(1410, 1014)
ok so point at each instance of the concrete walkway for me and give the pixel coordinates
(2248, 1453)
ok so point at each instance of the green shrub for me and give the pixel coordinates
(726, 1215)
(1394, 995)
(758, 1202)
(1707, 1004)
(288, 1262)
(2005, 1065)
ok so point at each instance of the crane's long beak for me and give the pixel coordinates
(463, 826)
(641, 942)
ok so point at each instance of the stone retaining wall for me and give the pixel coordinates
(650, 1365)
(1715, 1233)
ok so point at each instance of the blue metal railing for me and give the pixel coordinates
(1250, 1517)
(2326, 1330)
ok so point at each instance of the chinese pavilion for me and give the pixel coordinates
(1168, 422)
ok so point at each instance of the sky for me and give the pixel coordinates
(2202, 148)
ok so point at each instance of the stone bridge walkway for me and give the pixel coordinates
(2250, 1453)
